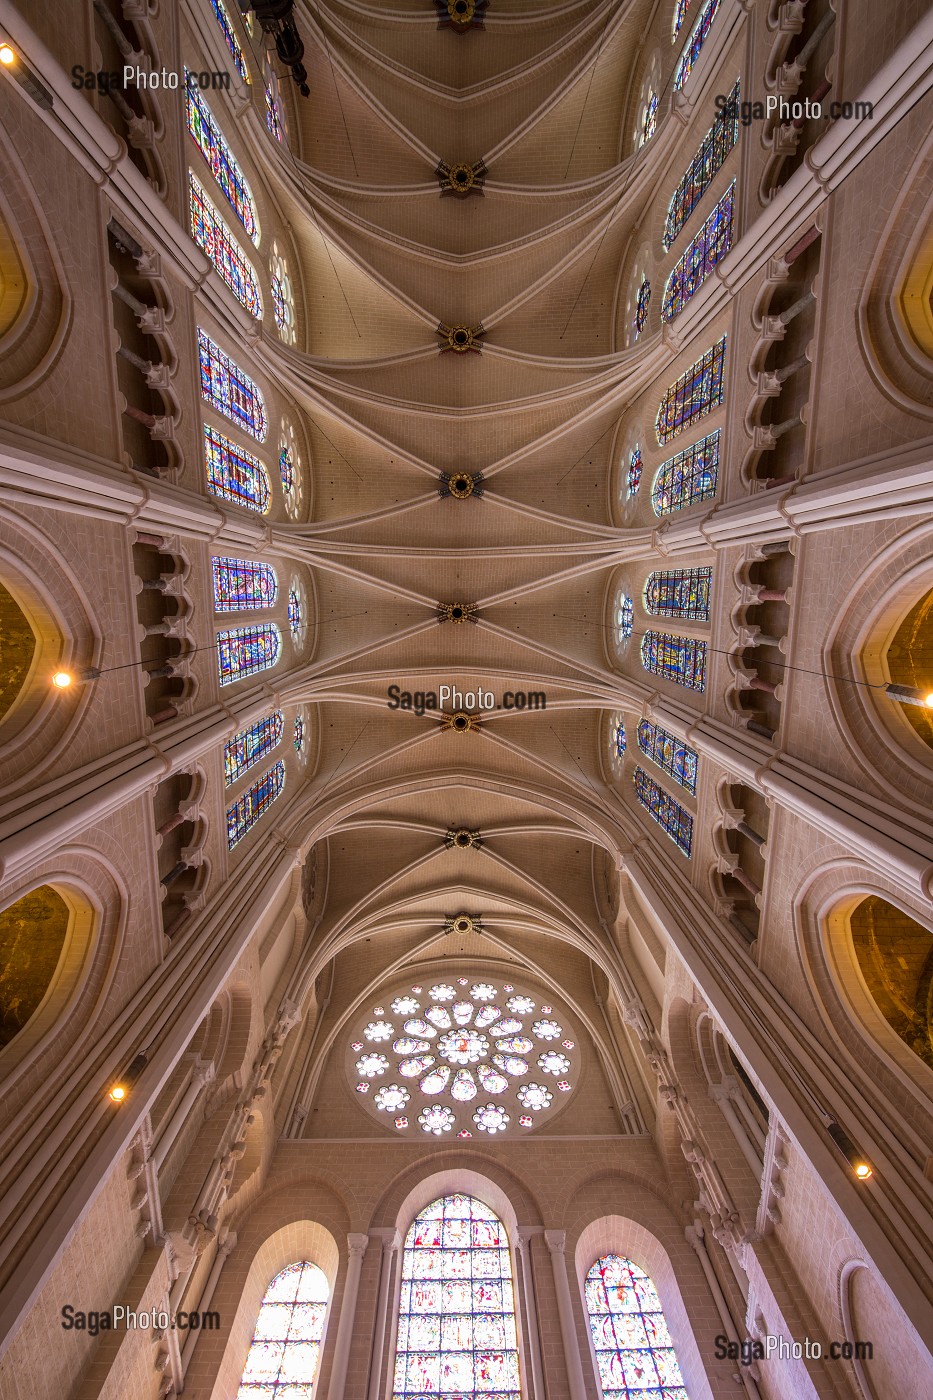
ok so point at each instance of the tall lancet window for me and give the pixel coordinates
(456, 1327)
(284, 1355)
(634, 1351)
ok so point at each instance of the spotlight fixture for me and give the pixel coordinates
(910, 695)
(460, 485)
(63, 679)
(275, 18)
(18, 69)
(460, 838)
(456, 612)
(461, 179)
(461, 722)
(460, 339)
(7, 56)
(861, 1168)
(120, 1088)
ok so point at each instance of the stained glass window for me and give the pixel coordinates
(649, 121)
(211, 233)
(695, 43)
(283, 300)
(678, 659)
(679, 593)
(680, 14)
(287, 470)
(643, 297)
(274, 118)
(210, 142)
(669, 815)
(695, 394)
(228, 389)
(690, 477)
(633, 480)
(299, 733)
(243, 584)
(714, 148)
(703, 252)
(246, 811)
(456, 1331)
(625, 616)
(294, 612)
(245, 651)
(229, 33)
(618, 738)
(246, 749)
(634, 1351)
(673, 756)
(234, 474)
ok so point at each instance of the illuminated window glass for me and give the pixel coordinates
(251, 745)
(246, 811)
(679, 593)
(456, 1332)
(234, 474)
(668, 814)
(649, 121)
(283, 300)
(618, 738)
(287, 470)
(678, 659)
(680, 14)
(209, 141)
(275, 120)
(690, 477)
(695, 394)
(642, 299)
(673, 756)
(714, 148)
(709, 247)
(294, 612)
(634, 1351)
(245, 651)
(695, 43)
(228, 389)
(211, 233)
(299, 734)
(229, 33)
(625, 616)
(243, 584)
(633, 480)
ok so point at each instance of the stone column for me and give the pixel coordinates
(201, 1074)
(532, 1335)
(356, 1245)
(390, 1246)
(556, 1240)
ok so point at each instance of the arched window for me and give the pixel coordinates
(625, 617)
(695, 43)
(285, 1351)
(679, 593)
(251, 745)
(702, 254)
(699, 175)
(283, 300)
(207, 137)
(295, 613)
(275, 119)
(642, 300)
(697, 392)
(673, 756)
(228, 389)
(299, 734)
(910, 662)
(895, 958)
(634, 1350)
(678, 659)
(633, 480)
(235, 474)
(649, 121)
(32, 939)
(229, 33)
(211, 233)
(246, 811)
(670, 816)
(244, 651)
(680, 14)
(690, 477)
(456, 1330)
(243, 584)
(17, 649)
(618, 738)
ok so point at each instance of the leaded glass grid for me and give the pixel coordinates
(696, 393)
(633, 478)
(251, 745)
(229, 33)
(712, 153)
(642, 299)
(680, 14)
(241, 584)
(678, 659)
(675, 820)
(695, 43)
(635, 1353)
(287, 470)
(245, 651)
(209, 140)
(649, 121)
(283, 300)
(211, 233)
(298, 734)
(625, 617)
(235, 474)
(229, 389)
(672, 755)
(456, 1327)
(274, 122)
(618, 739)
(689, 478)
(702, 254)
(295, 616)
(680, 593)
(255, 802)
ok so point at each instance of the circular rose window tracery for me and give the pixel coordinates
(468, 1060)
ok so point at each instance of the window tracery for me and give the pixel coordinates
(242, 584)
(635, 1353)
(700, 173)
(695, 43)
(290, 470)
(649, 121)
(210, 141)
(245, 651)
(703, 252)
(235, 474)
(232, 42)
(675, 758)
(254, 803)
(642, 300)
(633, 479)
(625, 617)
(678, 659)
(211, 233)
(680, 14)
(680, 593)
(696, 393)
(229, 389)
(283, 300)
(251, 745)
(285, 1353)
(671, 817)
(688, 478)
(275, 117)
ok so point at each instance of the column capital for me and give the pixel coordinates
(357, 1245)
(555, 1240)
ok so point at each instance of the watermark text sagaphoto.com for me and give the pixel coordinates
(779, 109)
(773, 1348)
(122, 1317)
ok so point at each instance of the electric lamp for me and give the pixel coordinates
(862, 1170)
(117, 1093)
(62, 680)
(7, 56)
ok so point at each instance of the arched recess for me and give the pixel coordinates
(893, 956)
(902, 1365)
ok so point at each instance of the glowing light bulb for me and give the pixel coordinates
(117, 1093)
(862, 1171)
(928, 700)
(62, 680)
(7, 55)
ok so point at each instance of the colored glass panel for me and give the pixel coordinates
(695, 43)
(287, 470)
(649, 122)
(678, 659)
(242, 583)
(641, 307)
(625, 617)
(245, 651)
(274, 121)
(672, 755)
(280, 307)
(635, 1354)
(228, 389)
(209, 140)
(247, 748)
(294, 612)
(713, 150)
(690, 477)
(456, 1331)
(633, 479)
(229, 33)
(703, 252)
(283, 1359)
(695, 394)
(679, 593)
(680, 14)
(618, 738)
(246, 811)
(234, 474)
(670, 816)
(299, 734)
(211, 233)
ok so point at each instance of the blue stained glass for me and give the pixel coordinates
(245, 651)
(649, 122)
(235, 474)
(680, 14)
(695, 43)
(618, 738)
(690, 477)
(274, 121)
(672, 755)
(287, 470)
(229, 33)
(299, 734)
(633, 480)
(211, 233)
(228, 389)
(641, 307)
(695, 394)
(625, 616)
(209, 140)
(699, 175)
(670, 816)
(678, 659)
(294, 612)
(457, 1334)
(243, 584)
(703, 252)
(635, 1353)
(679, 593)
(251, 745)
(246, 811)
